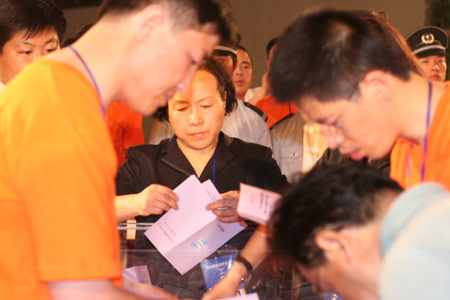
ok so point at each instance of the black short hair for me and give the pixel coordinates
(31, 16)
(381, 18)
(224, 85)
(327, 197)
(327, 54)
(270, 45)
(219, 52)
(246, 51)
(184, 13)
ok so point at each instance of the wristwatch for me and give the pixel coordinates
(245, 262)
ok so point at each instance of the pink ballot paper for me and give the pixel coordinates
(256, 204)
(137, 274)
(190, 234)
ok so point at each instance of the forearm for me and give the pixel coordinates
(255, 252)
(234, 277)
(126, 207)
(257, 249)
(89, 289)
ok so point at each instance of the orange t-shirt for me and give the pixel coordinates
(125, 127)
(57, 218)
(437, 161)
(274, 110)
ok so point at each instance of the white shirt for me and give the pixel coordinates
(251, 92)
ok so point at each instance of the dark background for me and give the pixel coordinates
(76, 3)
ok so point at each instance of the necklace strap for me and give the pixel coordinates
(425, 142)
(214, 164)
(88, 70)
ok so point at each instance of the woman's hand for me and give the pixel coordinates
(156, 199)
(226, 208)
(228, 286)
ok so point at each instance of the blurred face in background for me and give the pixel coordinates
(243, 74)
(23, 49)
(434, 67)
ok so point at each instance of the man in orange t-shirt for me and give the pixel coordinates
(125, 127)
(275, 111)
(57, 217)
(365, 108)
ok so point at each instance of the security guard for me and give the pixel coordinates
(429, 44)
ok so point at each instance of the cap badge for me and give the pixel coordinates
(427, 38)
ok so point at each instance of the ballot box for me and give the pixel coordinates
(273, 279)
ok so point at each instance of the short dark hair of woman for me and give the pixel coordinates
(225, 87)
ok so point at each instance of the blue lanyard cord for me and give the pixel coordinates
(425, 142)
(214, 167)
(91, 76)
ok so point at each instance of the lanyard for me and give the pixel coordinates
(214, 166)
(91, 76)
(425, 142)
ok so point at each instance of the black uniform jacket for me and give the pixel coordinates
(165, 164)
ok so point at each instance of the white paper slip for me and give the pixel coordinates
(137, 274)
(190, 234)
(256, 204)
(211, 190)
(252, 296)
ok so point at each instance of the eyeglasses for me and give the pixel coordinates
(317, 128)
(332, 130)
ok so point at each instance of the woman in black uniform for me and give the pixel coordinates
(198, 147)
